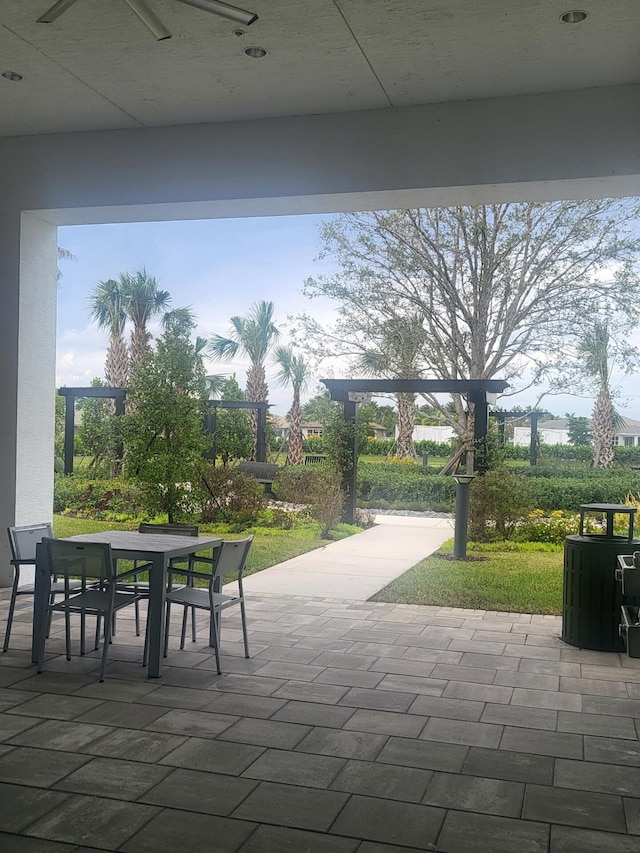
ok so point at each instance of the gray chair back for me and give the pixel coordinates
(231, 558)
(23, 540)
(80, 560)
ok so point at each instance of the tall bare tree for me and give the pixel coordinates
(252, 336)
(498, 288)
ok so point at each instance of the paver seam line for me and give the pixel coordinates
(45, 814)
(174, 770)
(373, 760)
(68, 796)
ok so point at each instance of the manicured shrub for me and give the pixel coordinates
(230, 495)
(499, 500)
(295, 483)
(327, 503)
(319, 487)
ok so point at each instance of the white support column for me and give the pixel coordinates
(28, 263)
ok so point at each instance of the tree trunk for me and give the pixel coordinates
(406, 412)
(116, 369)
(294, 452)
(140, 338)
(603, 430)
(257, 392)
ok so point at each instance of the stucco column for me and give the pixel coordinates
(28, 263)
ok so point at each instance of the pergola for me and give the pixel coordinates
(346, 391)
(501, 417)
(211, 422)
(70, 395)
(119, 395)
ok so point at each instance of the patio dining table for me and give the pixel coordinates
(156, 549)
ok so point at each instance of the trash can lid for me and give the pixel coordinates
(631, 510)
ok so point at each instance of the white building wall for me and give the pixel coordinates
(522, 436)
(431, 433)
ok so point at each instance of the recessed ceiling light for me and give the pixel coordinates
(256, 52)
(12, 75)
(574, 17)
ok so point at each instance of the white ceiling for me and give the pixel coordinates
(97, 67)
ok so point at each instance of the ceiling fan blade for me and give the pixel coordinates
(233, 13)
(149, 19)
(55, 11)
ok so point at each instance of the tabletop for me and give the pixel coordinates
(149, 543)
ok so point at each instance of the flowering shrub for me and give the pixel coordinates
(542, 527)
(555, 526)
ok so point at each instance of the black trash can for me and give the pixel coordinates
(592, 597)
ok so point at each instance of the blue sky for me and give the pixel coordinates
(218, 268)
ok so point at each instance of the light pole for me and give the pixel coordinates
(463, 482)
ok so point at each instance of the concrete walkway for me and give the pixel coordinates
(355, 568)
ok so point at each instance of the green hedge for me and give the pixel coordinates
(565, 488)
(383, 484)
(568, 488)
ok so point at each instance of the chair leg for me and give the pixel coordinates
(42, 641)
(183, 633)
(145, 653)
(67, 633)
(244, 628)
(193, 624)
(137, 607)
(108, 624)
(96, 644)
(215, 636)
(83, 631)
(12, 607)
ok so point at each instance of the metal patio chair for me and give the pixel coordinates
(92, 565)
(23, 541)
(230, 558)
(142, 587)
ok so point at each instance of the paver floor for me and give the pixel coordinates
(355, 726)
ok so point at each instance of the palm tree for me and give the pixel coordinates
(108, 311)
(144, 300)
(215, 383)
(294, 371)
(251, 336)
(397, 353)
(594, 349)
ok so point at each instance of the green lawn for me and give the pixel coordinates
(271, 545)
(523, 578)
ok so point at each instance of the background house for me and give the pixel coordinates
(557, 432)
